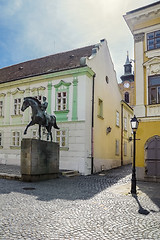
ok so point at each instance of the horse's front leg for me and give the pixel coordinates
(30, 124)
(39, 131)
(49, 132)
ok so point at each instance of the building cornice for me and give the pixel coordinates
(142, 15)
(46, 77)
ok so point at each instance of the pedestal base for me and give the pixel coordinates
(39, 160)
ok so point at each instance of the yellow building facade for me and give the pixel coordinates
(144, 24)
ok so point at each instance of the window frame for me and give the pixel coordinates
(1, 139)
(126, 97)
(17, 106)
(117, 119)
(62, 115)
(117, 150)
(100, 108)
(154, 39)
(63, 133)
(125, 123)
(1, 108)
(60, 101)
(34, 134)
(157, 91)
(39, 98)
(16, 139)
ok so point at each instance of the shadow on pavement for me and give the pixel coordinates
(152, 190)
(80, 187)
(141, 209)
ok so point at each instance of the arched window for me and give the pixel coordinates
(126, 97)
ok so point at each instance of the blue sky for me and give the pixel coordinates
(31, 29)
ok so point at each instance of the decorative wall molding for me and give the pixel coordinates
(18, 91)
(155, 69)
(62, 83)
(41, 88)
(153, 66)
(139, 37)
(2, 94)
(75, 99)
(27, 90)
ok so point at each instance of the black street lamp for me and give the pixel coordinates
(134, 126)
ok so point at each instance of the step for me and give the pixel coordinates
(70, 173)
(10, 176)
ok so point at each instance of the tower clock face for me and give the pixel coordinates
(126, 85)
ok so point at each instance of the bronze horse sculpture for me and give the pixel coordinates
(38, 116)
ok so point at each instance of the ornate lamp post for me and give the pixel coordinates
(134, 126)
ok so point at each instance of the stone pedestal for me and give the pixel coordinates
(39, 160)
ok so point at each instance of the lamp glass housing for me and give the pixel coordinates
(134, 123)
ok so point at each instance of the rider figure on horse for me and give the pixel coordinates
(44, 106)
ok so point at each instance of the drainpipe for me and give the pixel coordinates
(92, 126)
(122, 134)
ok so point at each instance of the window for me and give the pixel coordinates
(1, 108)
(117, 119)
(17, 106)
(16, 139)
(125, 124)
(61, 101)
(117, 147)
(100, 108)
(125, 149)
(154, 89)
(0, 139)
(62, 91)
(39, 98)
(126, 97)
(34, 134)
(61, 138)
(153, 40)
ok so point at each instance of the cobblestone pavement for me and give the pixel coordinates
(83, 207)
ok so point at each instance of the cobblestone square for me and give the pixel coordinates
(84, 207)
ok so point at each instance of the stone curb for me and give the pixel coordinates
(10, 176)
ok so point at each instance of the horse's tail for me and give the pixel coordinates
(54, 122)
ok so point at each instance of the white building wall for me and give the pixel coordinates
(82, 98)
(139, 109)
(78, 154)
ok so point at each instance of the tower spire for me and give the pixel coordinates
(127, 59)
(128, 75)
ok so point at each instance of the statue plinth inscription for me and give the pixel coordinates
(39, 160)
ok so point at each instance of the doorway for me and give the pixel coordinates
(152, 156)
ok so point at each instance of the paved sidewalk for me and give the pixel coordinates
(84, 207)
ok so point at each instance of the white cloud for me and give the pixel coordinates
(43, 27)
(9, 8)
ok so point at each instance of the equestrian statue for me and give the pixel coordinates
(39, 115)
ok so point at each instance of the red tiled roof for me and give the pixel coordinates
(44, 65)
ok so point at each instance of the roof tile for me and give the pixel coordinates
(49, 64)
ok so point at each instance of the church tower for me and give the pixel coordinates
(127, 85)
